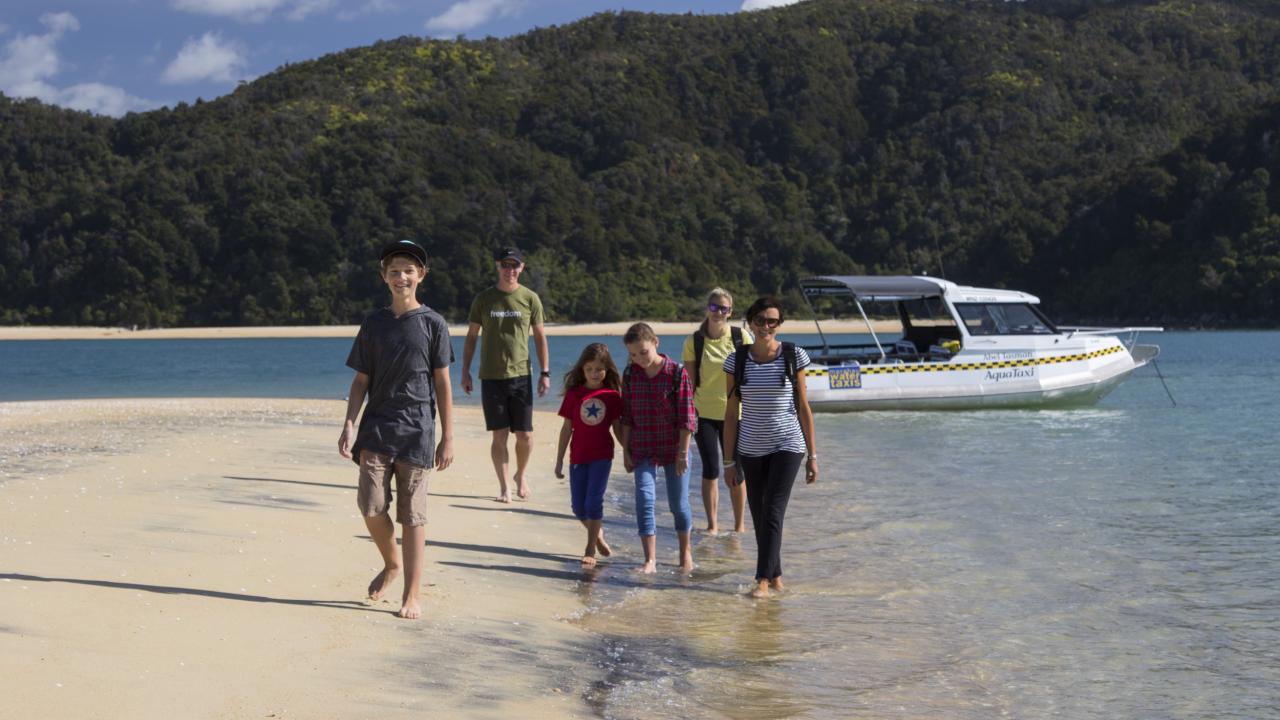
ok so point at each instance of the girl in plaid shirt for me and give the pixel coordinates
(657, 422)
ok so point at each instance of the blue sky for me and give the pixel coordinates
(117, 56)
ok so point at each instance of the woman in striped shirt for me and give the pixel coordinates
(769, 429)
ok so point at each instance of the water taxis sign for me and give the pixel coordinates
(845, 378)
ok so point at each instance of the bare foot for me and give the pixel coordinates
(588, 561)
(378, 586)
(740, 529)
(761, 589)
(649, 568)
(776, 584)
(503, 498)
(713, 530)
(522, 488)
(602, 546)
(686, 564)
(410, 610)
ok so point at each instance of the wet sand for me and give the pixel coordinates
(204, 559)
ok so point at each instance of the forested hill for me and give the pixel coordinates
(1115, 158)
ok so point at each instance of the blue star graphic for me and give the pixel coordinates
(593, 409)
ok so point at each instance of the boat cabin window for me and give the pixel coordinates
(1004, 319)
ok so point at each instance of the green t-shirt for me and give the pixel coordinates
(504, 319)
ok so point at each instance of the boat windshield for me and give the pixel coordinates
(1003, 319)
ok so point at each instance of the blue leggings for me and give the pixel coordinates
(587, 482)
(677, 497)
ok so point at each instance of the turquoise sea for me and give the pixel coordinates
(1121, 561)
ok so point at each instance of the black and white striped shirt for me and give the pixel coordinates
(768, 422)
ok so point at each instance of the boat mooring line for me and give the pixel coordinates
(1162, 382)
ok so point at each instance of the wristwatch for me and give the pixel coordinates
(545, 373)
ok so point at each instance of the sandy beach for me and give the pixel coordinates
(204, 559)
(664, 329)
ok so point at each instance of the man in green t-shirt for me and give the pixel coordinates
(504, 315)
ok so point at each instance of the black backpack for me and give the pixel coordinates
(700, 341)
(788, 364)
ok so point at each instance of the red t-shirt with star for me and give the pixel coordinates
(592, 413)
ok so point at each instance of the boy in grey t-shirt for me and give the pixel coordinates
(401, 358)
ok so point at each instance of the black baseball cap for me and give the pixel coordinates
(404, 247)
(508, 253)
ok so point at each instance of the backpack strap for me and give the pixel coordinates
(699, 342)
(789, 370)
(740, 368)
(735, 332)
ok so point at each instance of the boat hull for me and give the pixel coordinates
(1058, 376)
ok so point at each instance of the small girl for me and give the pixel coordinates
(592, 407)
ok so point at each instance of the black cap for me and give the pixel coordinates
(404, 247)
(508, 253)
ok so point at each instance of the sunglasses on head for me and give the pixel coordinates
(763, 321)
(718, 308)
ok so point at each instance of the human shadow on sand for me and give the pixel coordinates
(492, 549)
(504, 507)
(171, 590)
(290, 482)
(625, 578)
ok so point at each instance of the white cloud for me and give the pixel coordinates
(206, 58)
(30, 61)
(468, 14)
(59, 23)
(255, 11)
(303, 8)
(371, 7)
(749, 5)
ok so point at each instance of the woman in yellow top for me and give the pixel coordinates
(704, 354)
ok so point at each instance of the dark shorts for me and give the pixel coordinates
(710, 441)
(508, 404)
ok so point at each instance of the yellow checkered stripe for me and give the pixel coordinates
(927, 367)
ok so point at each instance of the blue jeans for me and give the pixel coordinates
(677, 497)
(587, 482)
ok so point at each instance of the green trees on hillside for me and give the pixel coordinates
(1116, 158)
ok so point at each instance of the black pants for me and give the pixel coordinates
(710, 439)
(769, 479)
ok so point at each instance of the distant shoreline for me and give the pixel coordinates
(45, 332)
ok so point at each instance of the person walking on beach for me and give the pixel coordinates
(591, 408)
(502, 317)
(657, 422)
(769, 426)
(401, 359)
(704, 354)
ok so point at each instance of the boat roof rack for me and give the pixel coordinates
(882, 287)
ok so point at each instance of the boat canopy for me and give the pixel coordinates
(906, 287)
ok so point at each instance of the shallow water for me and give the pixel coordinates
(1118, 561)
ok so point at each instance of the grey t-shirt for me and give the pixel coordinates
(400, 355)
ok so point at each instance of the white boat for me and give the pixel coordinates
(959, 348)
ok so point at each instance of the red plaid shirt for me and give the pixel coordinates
(654, 416)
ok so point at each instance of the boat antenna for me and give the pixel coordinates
(937, 248)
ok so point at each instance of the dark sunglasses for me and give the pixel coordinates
(718, 308)
(763, 321)
(509, 264)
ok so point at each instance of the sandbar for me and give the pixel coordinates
(203, 558)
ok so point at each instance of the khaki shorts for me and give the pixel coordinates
(374, 495)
